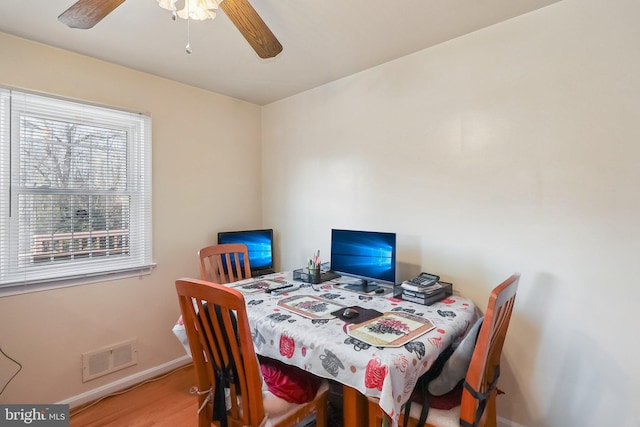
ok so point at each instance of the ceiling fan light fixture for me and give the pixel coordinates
(198, 10)
(87, 13)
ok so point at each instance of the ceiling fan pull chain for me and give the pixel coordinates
(188, 48)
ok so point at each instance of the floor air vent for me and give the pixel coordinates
(109, 359)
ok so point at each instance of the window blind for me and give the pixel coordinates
(75, 184)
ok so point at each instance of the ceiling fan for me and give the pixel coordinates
(85, 14)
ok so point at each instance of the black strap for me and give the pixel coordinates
(231, 371)
(482, 398)
(219, 412)
(432, 373)
(423, 384)
(224, 375)
(426, 405)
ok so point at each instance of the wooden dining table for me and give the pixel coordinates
(378, 355)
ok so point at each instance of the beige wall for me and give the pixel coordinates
(513, 149)
(199, 138)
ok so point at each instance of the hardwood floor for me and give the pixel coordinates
(165, 402)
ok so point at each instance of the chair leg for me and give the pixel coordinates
(204, 418)
(490, 411)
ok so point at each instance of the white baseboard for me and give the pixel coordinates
(503, 422)
(139, 377)
(123, 383)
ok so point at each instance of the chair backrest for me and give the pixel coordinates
(223, 263)
(222, 349)
(484, 369)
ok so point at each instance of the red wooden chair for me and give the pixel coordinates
(219, 336)
(478, 402)
(221, 263)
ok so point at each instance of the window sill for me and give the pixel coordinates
(27, 288)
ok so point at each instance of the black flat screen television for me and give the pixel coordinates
(260, 246)
(366, 255)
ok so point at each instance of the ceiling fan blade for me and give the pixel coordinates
(252, 27)
(85, 14)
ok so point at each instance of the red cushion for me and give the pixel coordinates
(289, 382)
(446, 401)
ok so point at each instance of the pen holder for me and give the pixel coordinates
(314, 275)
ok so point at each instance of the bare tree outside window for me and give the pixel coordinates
(73, 184)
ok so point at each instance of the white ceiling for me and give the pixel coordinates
(322, 40)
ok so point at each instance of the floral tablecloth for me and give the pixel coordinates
(323, 347)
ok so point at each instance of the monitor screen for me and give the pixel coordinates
(367, 255)
(259, 243)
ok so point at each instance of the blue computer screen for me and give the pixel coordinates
(368, 255)
(259, 243)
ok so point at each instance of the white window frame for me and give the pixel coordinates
(18, 278)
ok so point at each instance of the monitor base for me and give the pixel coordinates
(363, 287)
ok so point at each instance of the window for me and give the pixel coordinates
(75, 190)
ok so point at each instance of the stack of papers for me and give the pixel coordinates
(428, 295)
(420, 288)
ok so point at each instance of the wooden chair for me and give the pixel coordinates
(478, 404)
(219, 336)
(221, 263)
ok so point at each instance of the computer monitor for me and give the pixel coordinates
(260, 246)
(366, 255)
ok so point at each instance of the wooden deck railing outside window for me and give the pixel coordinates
(58, 246)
